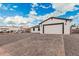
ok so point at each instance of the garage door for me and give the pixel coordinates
(53, 29)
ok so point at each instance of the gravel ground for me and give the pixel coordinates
(28, 44)
(11, 37)
(71, 43)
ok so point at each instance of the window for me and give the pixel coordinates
(38, 28)
(33, 29)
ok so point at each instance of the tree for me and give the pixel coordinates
(74, 25)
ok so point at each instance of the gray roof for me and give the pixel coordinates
(35, 26)
(56, 18)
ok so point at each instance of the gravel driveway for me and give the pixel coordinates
(28, 44)
(71, 43)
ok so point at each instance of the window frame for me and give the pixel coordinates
(33, 29)
(38, 28)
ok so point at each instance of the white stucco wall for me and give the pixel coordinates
(67, 28)
(36, 30)
(52, 21)
(41, 28)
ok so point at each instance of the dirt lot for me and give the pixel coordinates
(71, 43)
(27, 44)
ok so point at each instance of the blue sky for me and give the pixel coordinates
(33, 13)
(23, 9)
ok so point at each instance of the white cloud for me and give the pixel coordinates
(0, 5)
(16, 19)
(32, 15)
(27, 20)
(11, 9)
(15, 6)
(34, 4)
(1, 19)
(75, 19)
(75, 8)
(45, 6)
(32, 12)
(71, 17)
(4, 7)
(30, 24)
(62, 8)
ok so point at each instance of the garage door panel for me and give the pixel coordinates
(53, 29)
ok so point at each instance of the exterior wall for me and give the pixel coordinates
(36, 30)
(50, 21)
(41, 28)
(67, 28)
(53, 21)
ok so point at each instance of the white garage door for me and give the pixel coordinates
(53, 29)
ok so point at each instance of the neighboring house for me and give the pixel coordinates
(13, 29)
(53, 25)
(35, 29)
(8, 28)
(25, 29)
(75, 29)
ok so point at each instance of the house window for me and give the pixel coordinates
(33, 29)
(38, 28)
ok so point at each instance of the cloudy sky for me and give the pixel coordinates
(31, 14)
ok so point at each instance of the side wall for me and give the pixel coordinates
(67, 28)
(36, 30)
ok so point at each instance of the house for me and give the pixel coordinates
(14, 29)
(24, 29)
(35, 29)
(75, 29)
(54, 25)
(8, 28)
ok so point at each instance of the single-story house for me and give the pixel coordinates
(13, 29)
(35, 29)
(8, 28)
(24, 29)
(54, 25)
